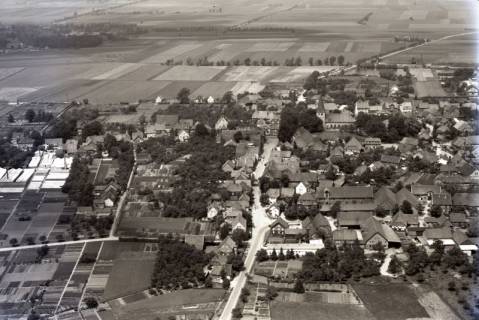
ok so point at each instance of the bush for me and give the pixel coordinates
(91, 302)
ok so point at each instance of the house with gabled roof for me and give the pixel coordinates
(374, 232)
(352, 219)
(343, 237)
(425, 192)
(353, 146)
(385, 198)
(401, 221)
(317, 226)
(443, 234)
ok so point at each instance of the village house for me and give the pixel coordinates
(337, 121)
(346, 194)
(353, 146)
(375, 232)
(343, 237)
(372, 143)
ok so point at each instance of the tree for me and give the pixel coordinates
(274, 255)
(201, 130)
(334, 210)
(91, 302)
(281, 255)
(226, 283)
(332, 60)
(330, 174)
(262, 255)
(184, 96)
(238, 236)
(11, 119)
(271, 293)
(406, 207)
(436, 211)
(394, 265)
(30, 115)
(236, 313)
(264, 199)
(228, 97)
(225, 230)
(341, 60)
(238, 136)
(13, 242)
(451, 285)
(298, 287)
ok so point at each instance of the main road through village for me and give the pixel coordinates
(260, 225)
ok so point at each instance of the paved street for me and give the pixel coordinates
(261, 222)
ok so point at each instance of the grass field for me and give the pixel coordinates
(430, 88)
(178, 302)
(129, 276)
(315, 310)
(391, 301)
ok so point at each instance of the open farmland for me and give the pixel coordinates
(189, 301)
(391, 301)
(189, 73)
(307, 30)
(310, 310)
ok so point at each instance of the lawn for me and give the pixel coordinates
(390, 301)
(313, 311)
(129, 276)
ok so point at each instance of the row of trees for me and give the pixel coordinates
(290, 62)
(78, 184)
(32, 116)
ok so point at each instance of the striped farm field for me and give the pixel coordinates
(190, 73)
(314, 47)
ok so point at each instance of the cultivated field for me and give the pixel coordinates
(310, 310)
(391, 301)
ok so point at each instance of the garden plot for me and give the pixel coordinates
(171, 90)
(300, 73)
(349, 46)
(13, 93)
(251, 87)
(125, 91)
(429, 89)
(270, 46)
(145, 72)
(117, 72)
(7, 72)
(214, 89)
(229, 51)
(372, 47)
(315, 47)
(422, 74)
(190, 73)
(391, 301)
(98, 70)
(172, 53)
(414, 15)
(245, 73)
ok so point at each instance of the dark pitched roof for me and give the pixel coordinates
(401, 218)
(418, 189)
(372, 226)
(466, 199)
(442, 199)
(352, 218)
(390, 159)
(385, 198)
(349, 192)
(280, 221)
